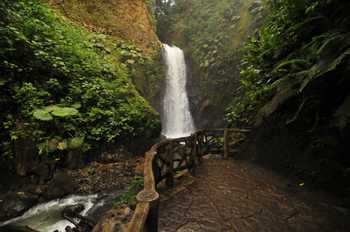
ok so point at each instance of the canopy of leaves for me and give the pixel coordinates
(61, 83)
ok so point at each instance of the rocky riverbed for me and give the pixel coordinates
(106, 176)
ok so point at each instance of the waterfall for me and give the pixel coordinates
(176, 119)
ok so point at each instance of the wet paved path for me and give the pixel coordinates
(236, 196)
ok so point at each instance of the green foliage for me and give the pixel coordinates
(129, 197)
(131, 55)
(64, 87)
(47, 113)
(152, 7)
(146, 71)
(42, 115)
(300, 42)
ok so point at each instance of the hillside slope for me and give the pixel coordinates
(126, 21)
(129, 20)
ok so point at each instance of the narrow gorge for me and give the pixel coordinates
(174, 115)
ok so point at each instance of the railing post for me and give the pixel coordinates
(151, 197)
(152, 219)
(204, 148)
(170, 177)
(200, 145)
(193, 155)
(197, 151)
(156, 171)
(226, 143)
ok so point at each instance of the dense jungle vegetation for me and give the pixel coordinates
(300, 43)
(65, 88)
(295, 87)
(280, 66)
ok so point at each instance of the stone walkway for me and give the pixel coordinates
(236, 196)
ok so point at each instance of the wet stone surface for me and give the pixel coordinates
(232, 196)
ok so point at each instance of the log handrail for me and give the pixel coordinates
(171, 155)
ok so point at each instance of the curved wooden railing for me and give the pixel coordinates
(168, 157)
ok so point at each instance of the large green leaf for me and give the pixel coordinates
(288, 63)
(63, 112)
(42, 115)
(51, 108)
(327, 66)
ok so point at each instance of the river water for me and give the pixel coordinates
(47, 217)
(176, 119)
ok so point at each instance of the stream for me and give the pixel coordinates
(47, 217)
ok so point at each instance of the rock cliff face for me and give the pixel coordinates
(129, 20)
(212, 33)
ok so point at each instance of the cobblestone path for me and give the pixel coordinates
(237, 196)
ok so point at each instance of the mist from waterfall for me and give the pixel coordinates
(176, 119)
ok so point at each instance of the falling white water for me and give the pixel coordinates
(177, 120)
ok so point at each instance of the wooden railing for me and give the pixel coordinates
(168, 157)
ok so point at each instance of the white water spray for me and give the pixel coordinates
(47, 217)
(177, 120)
